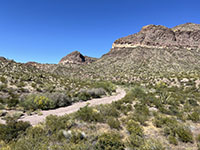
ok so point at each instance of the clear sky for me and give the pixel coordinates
(46, 30)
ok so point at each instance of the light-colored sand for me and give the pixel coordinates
(35, 119)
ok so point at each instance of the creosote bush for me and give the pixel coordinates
(12, 129)
(107, 86)
(134, 141)
(108, 110)
(136, 137)
(172, 140)
(35, 138)
(174, 128)
(33, 102)
(141, 113)
(59, 99)
(184, 134)
(109, 141)
(84, 94)
(113, 123)
(54, 123)
(89, 114)
(134, 128)
(194, 116)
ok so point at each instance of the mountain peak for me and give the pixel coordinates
(2, 58)
(187, 27)
(76, 57)
(155, 27)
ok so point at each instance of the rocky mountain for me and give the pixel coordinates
(160, 48)
(155, 50)
(76, 58)
(156, 36)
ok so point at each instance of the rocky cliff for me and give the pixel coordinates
(158, 36)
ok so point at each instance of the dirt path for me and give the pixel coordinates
(35, 119)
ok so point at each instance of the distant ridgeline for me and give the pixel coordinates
(155, 50)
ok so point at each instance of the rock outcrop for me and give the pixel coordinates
(2, 58)
(76, 58)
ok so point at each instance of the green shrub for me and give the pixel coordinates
(4, 87)
(77, 137)
(34, 85)
(167, 131)
(160, 121)
(184, 134)
(89, 114)
(49, 88)
(3, 79)
(173, 110)
(12, 101)
(134, 128)
(87, 94)
(1, 100)
(152, 145)
(109, 141)
(129, 97)
(141, 113)
(43, 102)
(54, 123)
(118, 105)
(125, 108)
(108, 110)
(172, 140)
(113, 123)
(141, 118)
(96, 92)
(193, 102)
(33, 102)
(36, 138)
(20, 84)
(57, 125)
(139, 93)
(12, 129)
(135, 141)
(2, 106)
(194, 116)
(84, 96)
(59, 99)
(174, 128)
(108, 86)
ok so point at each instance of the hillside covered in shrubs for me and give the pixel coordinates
(159, 69)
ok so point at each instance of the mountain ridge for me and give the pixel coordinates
(153, 55)
(158, 36)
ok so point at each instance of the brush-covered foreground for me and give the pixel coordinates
(153, 117)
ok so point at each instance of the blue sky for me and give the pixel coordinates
(46, 30)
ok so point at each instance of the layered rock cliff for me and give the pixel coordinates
(157, 36)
